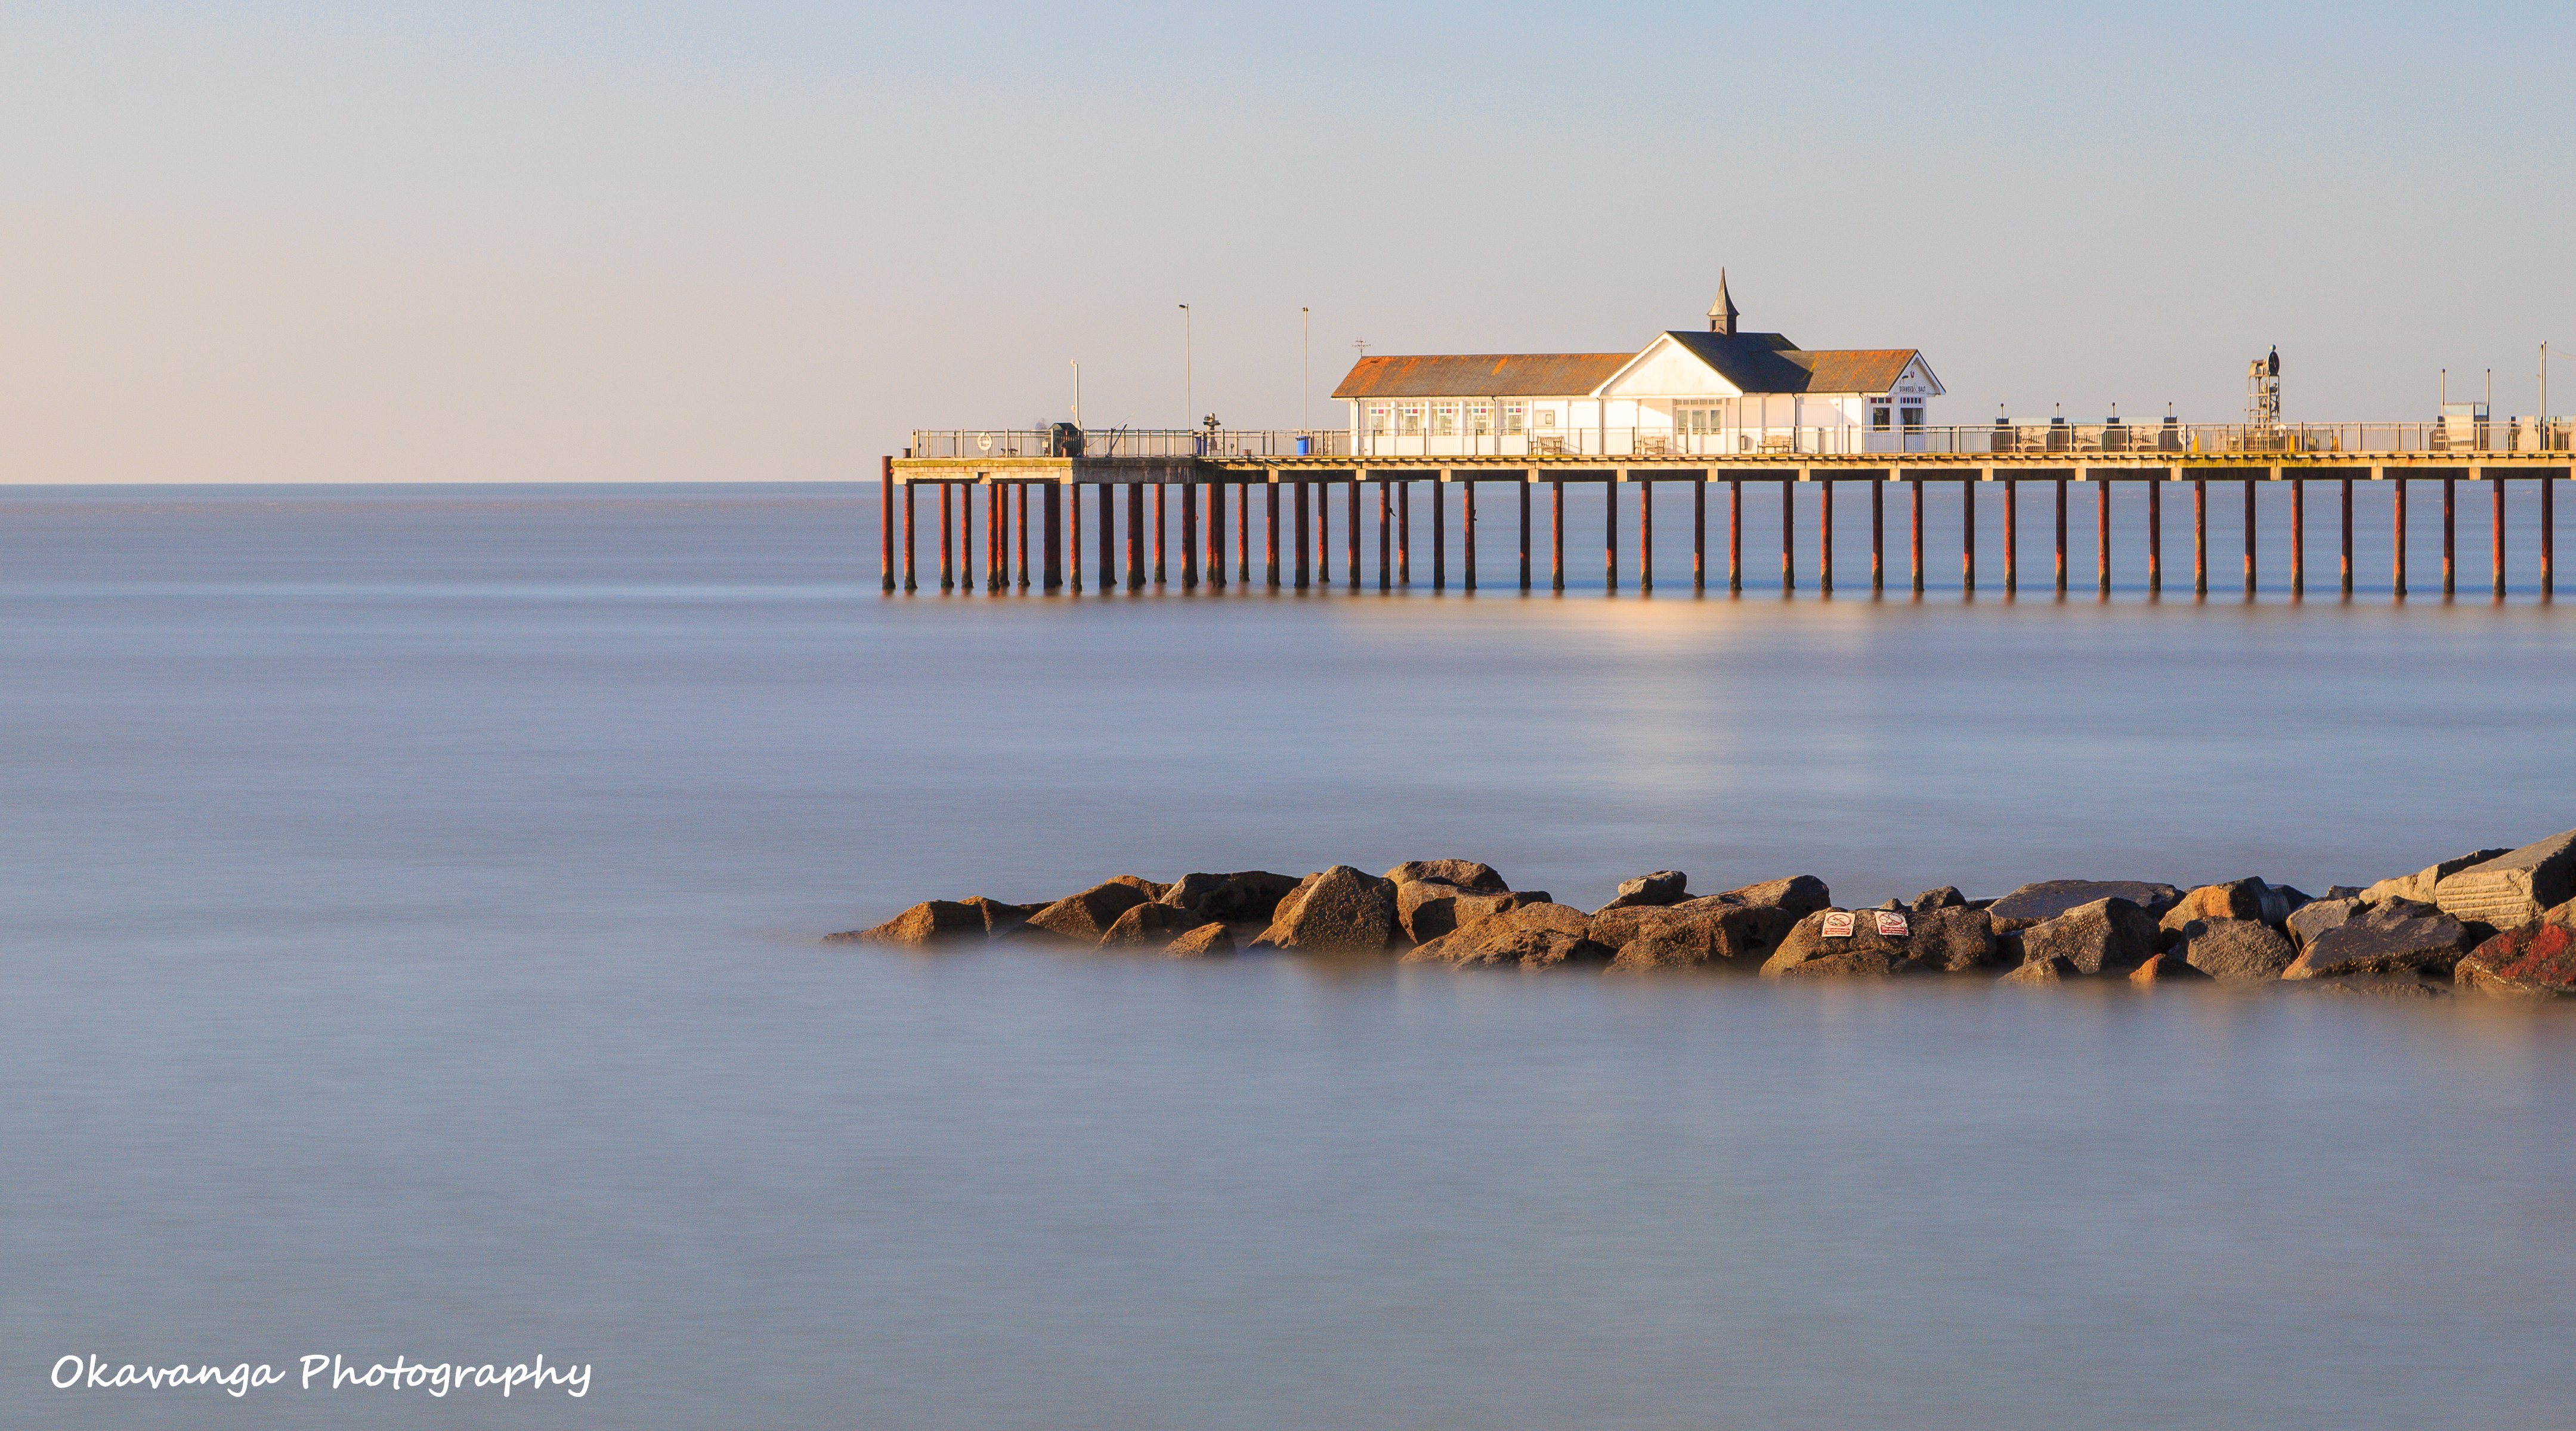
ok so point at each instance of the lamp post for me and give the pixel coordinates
(1306, 374)
(1189, 400)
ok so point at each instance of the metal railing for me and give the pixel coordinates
(1135, 442)
(2502, 437)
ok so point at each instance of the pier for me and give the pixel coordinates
(1300, 478)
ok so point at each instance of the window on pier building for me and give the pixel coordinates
(1444, 419)
(1913, 417)
(1878, 415)
(1515, 418)
(1697, 419)
(1379, 413)
(1480, 419)
(1408, 419)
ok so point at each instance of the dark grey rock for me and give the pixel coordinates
(2236, 950)
(2394, 936)
(1533, 936)
(1466, 874)
(2105, 936)
(1339, 911)
(2048, 899)
(1242, 897)
(1946, 897)
(2319, 915)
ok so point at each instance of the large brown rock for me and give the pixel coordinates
(2319, 915)
(2537, 961)
(2419, 886)
(1712, 932)
(2042, 972)
(1429, 908)
(934, 921)
(1809, 953)
(1946, 897)
(1339, 911)
(2394, 936)
(2165, 969)
(2236, 951)
(1800, 895)
(2105, 936)
(1952, 939)
(1202, 942)
(1151, 889)
(1000, 917)
(2512, 889)
(1151, 926)
(1466, 874)
(1534, 936)
(2235, 899)
(1651, 890)
(1243, 897)
(2033, 903)
(1086, 916)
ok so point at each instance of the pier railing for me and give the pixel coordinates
(2503, 436)
(971, 443)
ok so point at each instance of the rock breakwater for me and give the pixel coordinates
(2496, 922)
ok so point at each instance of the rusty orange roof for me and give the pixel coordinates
(1481, 375)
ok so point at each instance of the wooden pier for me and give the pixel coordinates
(1309, 484)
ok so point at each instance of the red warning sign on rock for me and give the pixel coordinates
(1838, 924)
(1891, 925)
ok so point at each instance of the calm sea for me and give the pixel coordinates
(409, 931)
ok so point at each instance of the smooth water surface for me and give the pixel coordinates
(410, 915)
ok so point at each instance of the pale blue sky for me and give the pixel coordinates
(559, 242)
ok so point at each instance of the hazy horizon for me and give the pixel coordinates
(481, 243)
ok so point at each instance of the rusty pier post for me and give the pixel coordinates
(1825, 534)
(1304, 573)
(2249, 539)
(2199, 536)
(1216, 535)
(1052, 573)
(1022, 502)
(1467, 531)
(1385, 535)
(1699, 533)
(2548, 537)
(2450, 489)
(2156, 536)
(1788, 532)
(2298, 538)
(885, 524)
(1108, 538)
(1440, 533)
(1556, 536)
(2347, 539)
(2397, 541)
(1352, 555)
(1073, 536)
(1646, 535)
(1189, 536)
(1877, 537)
(2496, 558)
(1243, 534)
(997, 538)
(1270, 534)
(947, 541)
(1968, 535)
(1524, 484)
(1610, 530)
(908, 583)
(1136, 536)
(2012, 536)
(1404, 533)
(1734, 536)
(1918, 536)
(1161, 524)
(2102, 536)
(2061, 536)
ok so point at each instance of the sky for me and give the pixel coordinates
(398, 242)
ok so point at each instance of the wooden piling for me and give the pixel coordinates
(966, 538)
(1324, 532)
(1788, 533)
(1527, 479)
(2450, 487)
(885, 523)
(1968, 536)
(1385, 535)
(1216, 535)
(1440, 533)
(1467, 530)
(1734, 536)
(2347, 539)
(1825, 534)
(2249, 539)
(1189, 536)
(1877, 536)
(2298, 538)
(948, 542)
(2200, 536)
(1556, 535)
(2155, 536)
(2012, 536)
(1022, 503)
(908, 583)
(997, 537)
(1646, 535)
(1053, 571)
(1351, 561)
(2061, 536)
(2497, 558)
(1136, 536)
(1404, 533)
(1270, 535)
(1610, 530)
(1243, 534)
(2548, 538)
(2102, 537)
(1305, 573)
(1918, 535)
(2397, 541)
(1073, 542)
(1108, 538)
(1699, 533)
(1161, 522)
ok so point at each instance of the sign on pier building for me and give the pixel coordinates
(1685, 393)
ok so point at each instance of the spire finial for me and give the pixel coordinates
(1721, 314)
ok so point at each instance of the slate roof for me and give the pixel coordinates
(1481, 375)
(1770, 363)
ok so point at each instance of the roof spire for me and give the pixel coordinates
(1721, 314)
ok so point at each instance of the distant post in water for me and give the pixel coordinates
(1189, 536)
(1053, 574)
(2156, 535)
(1385, 535)
(1108, 537)
(2495, 481)
(2061, 536)
(2347, 539)
(1270, 535)
(2450, 486)
(1917, 484)
(1825, 533)
(1788, 532)
(1527, 480)
(1877, 536)
(2200, 536)
(1404, 533)
(2298, 538)
(1467, 524)
(1556, 536)
(2012, 535)
(2397, 540)
(1610, 530)
(1073, 535)
(2249, 538)
(1734, 536)
(1136, 536)
(908, 583)
(1352, 557)
(1216, 535)
(948, 540)
(2102, 536)
(1024, 534)
(1646, 535)
(2548, 537)
(885, 524)
(1303, 572)
(1323, 532)
(1968, 534)
(1699, 533)
(1440, 533)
